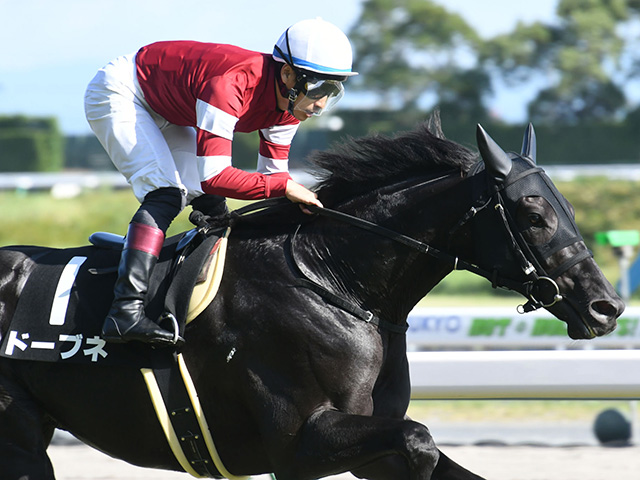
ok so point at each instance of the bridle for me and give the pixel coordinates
(539, 287)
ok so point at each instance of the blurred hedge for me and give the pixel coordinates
(30, 145)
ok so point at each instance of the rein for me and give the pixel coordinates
(457, 262)
(537, 287)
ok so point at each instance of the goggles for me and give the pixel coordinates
(331, 91)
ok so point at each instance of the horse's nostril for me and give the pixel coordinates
(610, 310)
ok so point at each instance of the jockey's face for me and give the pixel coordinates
(322, 95)
(305, 107)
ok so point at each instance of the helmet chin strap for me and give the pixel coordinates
(300, 86)
(301, 78)
(291, 94)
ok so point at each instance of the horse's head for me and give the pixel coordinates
(545, 257)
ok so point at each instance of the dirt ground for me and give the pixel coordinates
(78, 462)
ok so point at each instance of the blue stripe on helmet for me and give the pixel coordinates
(298, 62)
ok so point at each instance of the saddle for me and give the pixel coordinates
(207, 278)
(66, 297)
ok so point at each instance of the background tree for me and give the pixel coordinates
(580, 60)
(413, 53)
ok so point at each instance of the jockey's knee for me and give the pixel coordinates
(159, 208)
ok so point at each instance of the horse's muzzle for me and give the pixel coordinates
(598, 319)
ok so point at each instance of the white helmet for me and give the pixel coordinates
(315, 46)
(321, 56)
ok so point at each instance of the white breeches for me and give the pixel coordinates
(149, 151)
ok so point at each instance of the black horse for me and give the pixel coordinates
(300, 361)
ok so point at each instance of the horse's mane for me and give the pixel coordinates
(363, 164)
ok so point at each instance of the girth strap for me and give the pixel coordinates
(189, 439)
(180, 414)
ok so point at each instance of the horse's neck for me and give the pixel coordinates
(383, 274)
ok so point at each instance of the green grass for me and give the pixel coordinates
(39, 219)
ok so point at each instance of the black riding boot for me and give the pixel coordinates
(126, 320)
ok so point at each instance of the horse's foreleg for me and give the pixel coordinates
(331, 442)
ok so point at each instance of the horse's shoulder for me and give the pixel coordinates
(18, 260)
(16, 264)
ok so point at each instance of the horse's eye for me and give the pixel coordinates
(536, 220)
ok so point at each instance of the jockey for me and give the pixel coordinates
(166, 116)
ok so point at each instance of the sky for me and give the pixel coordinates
(50, 50)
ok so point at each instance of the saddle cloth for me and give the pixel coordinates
(68, 294)
(63, 304)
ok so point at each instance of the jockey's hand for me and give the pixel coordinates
(300, 194)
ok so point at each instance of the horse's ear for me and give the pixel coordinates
(496, 161)
(529, 143)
